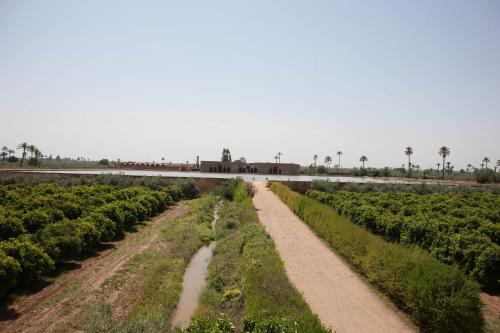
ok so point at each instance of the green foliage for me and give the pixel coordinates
(189, 189)
(456, 228)
(486, 176)
(104, 161)
(9, 272)
(438, 297)
(47, 222)
(246, 277)
(35, 219)
(31, 258)
(227, 189)
(10, 227)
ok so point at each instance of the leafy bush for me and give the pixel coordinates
(104, 225)
(228, 188)
(189, 189)
(115, 214)
(458, 228)
(67, 221)
(438, 297)
(61, 240)
(31, 258)
(9, 271)
(486, 176)
(36, 219)
(10, 227)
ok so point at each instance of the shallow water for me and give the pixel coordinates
(193, 283)
(247, 177)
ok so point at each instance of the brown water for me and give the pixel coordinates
(194, 282)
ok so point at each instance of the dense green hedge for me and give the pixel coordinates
(44, 224)
(462, 229)
(438, 297)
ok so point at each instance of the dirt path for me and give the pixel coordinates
(54, 305)
(332, 289)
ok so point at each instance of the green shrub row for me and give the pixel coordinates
(246, 278)
(462, 229)
(438, 297)
(46, 224)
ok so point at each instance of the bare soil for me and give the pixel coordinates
(56, 307)
(338, 295)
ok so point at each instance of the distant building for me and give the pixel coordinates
(257, 168)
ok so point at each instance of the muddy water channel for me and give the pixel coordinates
(194, 282)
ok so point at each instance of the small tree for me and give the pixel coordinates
(409, 152)
(4, 152)
(444, 152)
(226, 155)
(339, 153)
(486, 160)
(363, 159)
(328, 161)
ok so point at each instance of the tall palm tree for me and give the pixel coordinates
(469, 167)
(328, 161)
(4, 152)
(279, 156)
(339, 153)
(23, 146)
(276, 159)
(38, 156)
(31, 150)
(363, 159)
(409, 152)
(448, 166)
(439, 166)
(315, 158)
(486, 160)
(444, 152)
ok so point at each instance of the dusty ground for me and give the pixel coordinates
(57, 306)
(340, 298)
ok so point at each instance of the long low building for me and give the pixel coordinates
(257, 168)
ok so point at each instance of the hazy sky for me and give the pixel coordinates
(143, 80)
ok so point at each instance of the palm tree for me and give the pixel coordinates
(279, 156)
(444, 152)
(482, 165)
(417, 167)
(276, 159)
(363, 159)
(4, 152)
(328, 161)
(438, 165)
(315, 158)
(409, 152)
(469, 167)
(38, 156)
(339, 153)
(31, 150)
(24, 147)
(448, 166)
(486, 160)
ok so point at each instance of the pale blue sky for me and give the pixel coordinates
(139, 80)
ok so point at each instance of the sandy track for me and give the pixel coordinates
(41, 311)
(332, 289)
